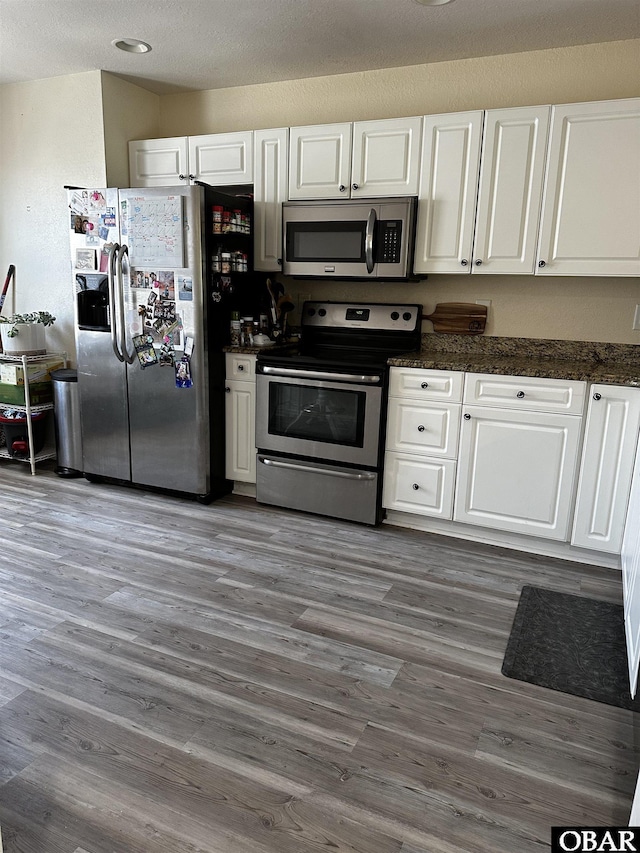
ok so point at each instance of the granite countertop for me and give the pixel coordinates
(611, 364)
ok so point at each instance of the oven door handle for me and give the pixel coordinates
(368, 239)
(363, 379)
(345, 475)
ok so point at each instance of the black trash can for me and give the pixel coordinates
(67, 422)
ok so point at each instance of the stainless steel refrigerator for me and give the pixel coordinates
(150, 328)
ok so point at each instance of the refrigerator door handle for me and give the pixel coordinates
(122, 253)
(113, 299)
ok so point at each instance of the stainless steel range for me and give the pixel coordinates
(320, 412)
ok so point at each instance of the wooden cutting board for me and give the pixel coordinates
(458, 318)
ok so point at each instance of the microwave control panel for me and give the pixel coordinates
(389, 241)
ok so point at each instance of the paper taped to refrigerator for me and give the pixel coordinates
(154, 230)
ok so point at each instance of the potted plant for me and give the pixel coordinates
(24, 334)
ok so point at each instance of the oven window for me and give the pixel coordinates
(329, 415)
(326, 241)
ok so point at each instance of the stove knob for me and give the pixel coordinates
(322, 312)
(311, 312)
(394, 315)
(406, 316)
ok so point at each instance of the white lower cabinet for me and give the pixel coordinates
(518, 457)
(240, 431)
(516, 470)
(423, 426)
(611, 436)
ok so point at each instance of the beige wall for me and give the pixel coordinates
(592, 309)
(564, 75)
(75, 129)
(129, 113)
(52, 135)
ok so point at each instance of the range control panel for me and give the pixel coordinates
(372, 317)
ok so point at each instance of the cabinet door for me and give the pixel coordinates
(630, 559)
(418, 484)
(320, 161)
(590, 213)
(158, 162)
(510, 190)
(270, 190)
(516, 470)
(240, 434)
(609, 448)
(386, 157)
(448, 192)
(222, 158)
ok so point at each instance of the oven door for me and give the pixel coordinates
(316, 415)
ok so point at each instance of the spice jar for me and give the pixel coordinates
(247, 332)
(225, 265)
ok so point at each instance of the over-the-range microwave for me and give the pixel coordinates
(363, 238)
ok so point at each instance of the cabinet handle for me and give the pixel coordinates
(279, 262)
(425, 385)
(192, 177)
(467, 417)
(241, 368)
(227, 390)
(416, 487)
(354, 186)
(542, 263)
(520, 395)
(342, 188)
(479, 262)
(464, 262)
(421, 428)
(597, 396)
(182, 177)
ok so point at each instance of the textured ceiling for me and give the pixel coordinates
(210, 44)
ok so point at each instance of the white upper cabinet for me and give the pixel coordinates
(158, 162)
(510, 190)
(270, 190)
(218, 159)
(386, 157)
(591, 208)
(222, 158)
(447, 192)
(320, 161)
(365, 159)
(486, 224)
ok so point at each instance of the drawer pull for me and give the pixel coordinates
(520, 395)
(416, 487)
(421, 428)
(241, 368)
(425, 385)
(597, 396)
(227, 390)
(467, 417)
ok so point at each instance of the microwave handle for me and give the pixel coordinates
(368, 239)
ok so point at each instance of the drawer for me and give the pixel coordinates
(419, 384)
(419, 485)
(429, 428)
(240, 366)
(525, 392)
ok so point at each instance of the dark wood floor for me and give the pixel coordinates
(240, 679)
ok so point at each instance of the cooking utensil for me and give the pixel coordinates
(458, 318)
(7, 281)
(273, 302)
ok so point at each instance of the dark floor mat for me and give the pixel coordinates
(572, 644)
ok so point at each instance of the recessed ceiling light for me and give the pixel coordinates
(131, 45)
(433, 2)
